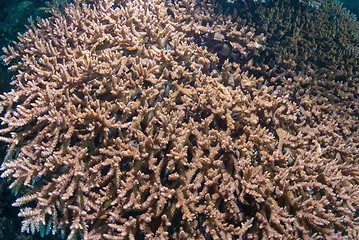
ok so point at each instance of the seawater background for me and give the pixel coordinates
(14, 16)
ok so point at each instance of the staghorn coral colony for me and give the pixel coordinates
(317, 38)
(123, 125)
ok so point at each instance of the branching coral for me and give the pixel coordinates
(318, 38)
(121, 126)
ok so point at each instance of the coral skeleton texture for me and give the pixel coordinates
(122, 126)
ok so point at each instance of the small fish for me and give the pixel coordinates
(131, 48)
(311, 191)
(150, 115)
(239, 206)
(138, 95)
(130, 74)
(255, 156)
(167, 89)
(108, 203)
(134, 143)
(61, 169)
(39, 181)
(238, 115)
(224, 49)
(103, 216)
(168, 47)
(221, 151)
(147, 39)
(112, 133)
(210, 43)
(154, 101)
(315, 4)
(290, 161)
(128, 47)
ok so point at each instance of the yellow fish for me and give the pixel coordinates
(104, 216)
(131, 48)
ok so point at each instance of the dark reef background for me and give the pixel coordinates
(352, 5)
(14, 17)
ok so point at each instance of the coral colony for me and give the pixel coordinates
(151, 119)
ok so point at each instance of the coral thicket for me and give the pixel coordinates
(123, 125)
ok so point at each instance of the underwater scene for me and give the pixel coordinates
(179, 119)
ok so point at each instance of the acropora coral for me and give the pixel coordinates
(121, 125)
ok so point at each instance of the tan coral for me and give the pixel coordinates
(120, 126)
